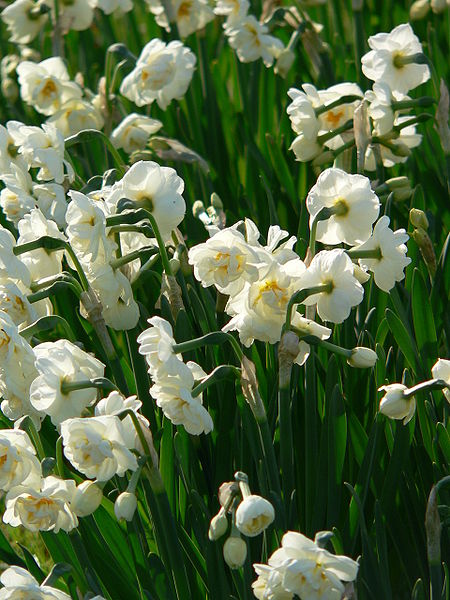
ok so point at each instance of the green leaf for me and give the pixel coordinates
(404, 341)
(423, 320)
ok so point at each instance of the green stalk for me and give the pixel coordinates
(161, 245)
(219, 373)
(214, 338)
(166, 527)
(343, 100)
(123, 260)
(87, 135)
(329, 346)
(286, 444)
(375, 253)
(360, 38)
(139, 367)
(323, 214)
(28, 426)
(59, 457)
(101, 383)
(300, 296)
(321, 139)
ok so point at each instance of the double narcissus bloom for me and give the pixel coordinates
(134, 131)
(19, 583)
(163, 73)
(157, 189)
(303, 568)
(355, 207)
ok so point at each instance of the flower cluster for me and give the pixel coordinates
(250, 516)
(303, 568)
(173, 379)
(325, 121)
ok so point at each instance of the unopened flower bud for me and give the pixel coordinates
(422, 239)
(419, 9)
(359, 273)
(401, 187)
(227, 492)
(362, 358)
(418, 218)
(235, 552)
(395, 405)
(401, 149)
(198, 208)
(442, 118)
(8, 65)
(125, 506)
(218, 525)
(216, 202)
(10, 89)
(438, 6)
(86, 499)
(284, 62)
(174, 265)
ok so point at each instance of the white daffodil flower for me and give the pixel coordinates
(9, 152)
(51, 201)
(134, 131)
(163, 73)
(157, 189)
(189, 15)
(40, 263)
(390, 265)
(355, 205)
(42, 147)
(441, 370)
(333, 267)
(252, 41)
(173, 395)
(45, 508)
(96, 446)
(16, 198)
(59, 363)
(226, 260)
(386, 63)
(11, 267)
(18, 462)
(259, 310)
(394, 404)
(24, 20)
(233, 10)
(19, 583)
(253, 515)
(156, 344)
(76, 114)
(76, 14)
(86, 229)
(46, 85)
(303, 568)
(17, 371)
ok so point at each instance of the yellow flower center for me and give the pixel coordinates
(333, 118)
(184, 10)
